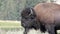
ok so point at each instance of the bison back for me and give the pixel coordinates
(46, 12)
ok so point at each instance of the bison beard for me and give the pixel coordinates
(29, 21)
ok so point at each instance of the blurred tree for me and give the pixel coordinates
(11, 9)
(31, 3)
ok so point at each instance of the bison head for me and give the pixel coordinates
(28, 18)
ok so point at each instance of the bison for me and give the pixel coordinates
(43, 16)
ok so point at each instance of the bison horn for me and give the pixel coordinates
(31, 11)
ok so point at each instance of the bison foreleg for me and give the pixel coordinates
(26, 30)
(50, 28)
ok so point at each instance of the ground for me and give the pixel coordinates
(14, 27)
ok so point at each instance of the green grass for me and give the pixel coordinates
(12, 25)
(9, 24)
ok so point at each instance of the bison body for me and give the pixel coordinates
(45, 16)
(49, 15)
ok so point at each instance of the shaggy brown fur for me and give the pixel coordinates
(49, 15)
(45, 16)
(47, 11)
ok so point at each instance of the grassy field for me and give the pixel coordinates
(16, 25)
(9, 24)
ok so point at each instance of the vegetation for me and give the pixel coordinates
(11, 9)
(10, 25)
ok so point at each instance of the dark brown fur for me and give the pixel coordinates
(45, 16)
(29, 21)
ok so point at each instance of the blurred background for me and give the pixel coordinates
(10, 17)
